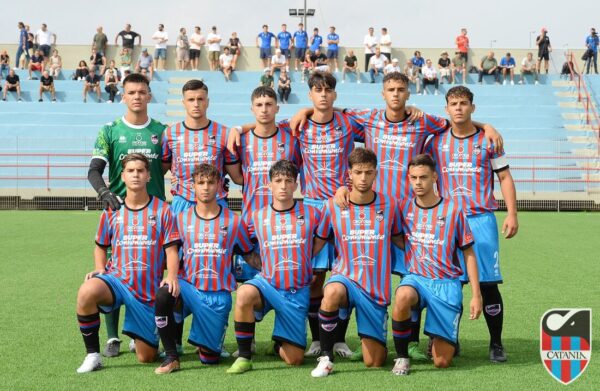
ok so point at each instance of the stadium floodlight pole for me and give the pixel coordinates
(530, 37)
(492, 42)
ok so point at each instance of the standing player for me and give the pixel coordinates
(141, 234)
(434, 229)
(466, 166)
(284, 231)
(135, 132)
(210, 234)
(362, 275)
(285, 44)
(301, 43)
(333, 41)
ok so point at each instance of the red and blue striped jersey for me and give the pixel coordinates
(208, 247)
(432, 236)
(257, 155)
(185, 148)
(138, 239)
(395, 144)
(286, 243)
(325, 149)
(466, 169)
(363, 240)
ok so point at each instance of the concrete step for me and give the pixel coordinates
(586, 152)
(583, 140)
(574, 105)
(567, 94)
(563, 83)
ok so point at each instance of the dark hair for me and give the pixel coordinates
(261, 91)
(459, 92)
(264, 25)
(132, 157)
(284, 168)
(21, 25)
(316, 29)
(136, 78)
(396, 76)
(207, 171)
(193, 85)
(422, 160)
(362, 156)
(321, 79)
(417, 52)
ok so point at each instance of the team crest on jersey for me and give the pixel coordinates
(212, 140)
(154, 139)
(122, 140)
(566, 342)
(300, 220)
(379, 215)
(223, 230)
(152, 220)
(476, 149)
(411, 128)
(281, 147)
(441, 221)
(337, 132)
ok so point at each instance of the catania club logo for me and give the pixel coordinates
(566, 342)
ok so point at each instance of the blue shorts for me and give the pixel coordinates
(443, 300)
(139, 317)
(398, 261)
(371, 318)
(324, 260)
(160, 53)
(300, 53)
(265, 52)
(485, 233)
(242, 271)
(211, 314)
(332, 53)
(286, 52)
(291, 311)
(180, 204)
(45, 50)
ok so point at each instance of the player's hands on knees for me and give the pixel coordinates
(475, 307)
(173, 285)
(413, 113)
(234, 140)
(510, 227)
(92, 274)
(298, 121)
(342, 197)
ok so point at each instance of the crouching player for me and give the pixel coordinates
(140, 236)
(434, 229)
(210, 234)
(284, 231)
(361, 276)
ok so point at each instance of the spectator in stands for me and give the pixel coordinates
(459, 65)
(528, 67)
(376, 64)
(44, 39)
(214, 48)
(235, 48)
(144, 72)
(591, 43)
(285, 44)
(81, 71)
(385, 44)
(462, 45)
(444, 68)
(418, 61)
(284, 86)
(112, 65)
(36, 64)
(100, 41)
(266, 80)
(31, 46)
(47, 84)
(414, 76)
(12, 84)
(145, 62)
(197, 40)
(301, 43)
(22, 47)
(263, 43)
(333, 41)
(55, 64)
(430, 77)
(278, 61)
(111, 84)
(98, 61)
(544, 48)
(225, 61)
(393, 67)
(489, 66)
(128, 38)
(307, 66)
(507, 67)
(125, 60)
(183, 50)
(92, 83)
(160, 38)
(350, 65)
(319, 61)
(369, 43)
(315, 40)
(4, 63)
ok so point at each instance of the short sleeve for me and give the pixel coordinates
(434, 124)
(464, 237)
(102, 145)
(498, 159)
(324, 229)
(396, 227)
(104, 233)
(167, 153)
(170, 231)
(243, 244)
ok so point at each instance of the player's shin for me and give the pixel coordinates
(328, 322)
(111, 320)
(401, 330)
(493, 310)
(415, 327)
(313, 317)
(89, 326)
(244, 334)
(165, 321)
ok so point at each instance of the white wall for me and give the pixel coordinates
(419, 23)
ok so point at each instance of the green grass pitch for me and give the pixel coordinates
(553, 262)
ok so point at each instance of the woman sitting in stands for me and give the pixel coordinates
(110, 84)
(82, 71)
(55, 64)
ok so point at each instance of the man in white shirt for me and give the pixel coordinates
(528, 67)
(430, 76)
(377, 63)
(385, 43)
(225, 61)
(278, 61)
(393, 67)
(196, 41)
(213, 41)
(160, 37)
(45, 39)
(369, 43)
